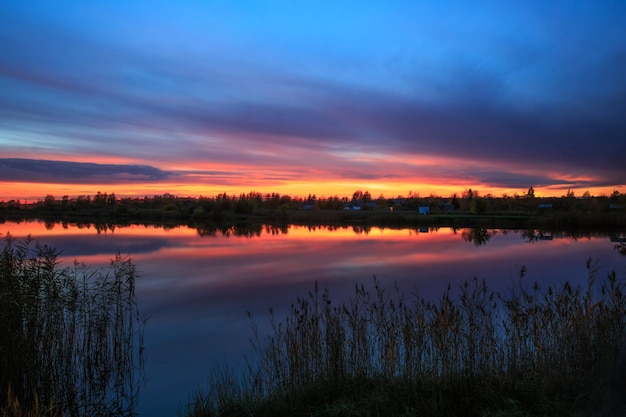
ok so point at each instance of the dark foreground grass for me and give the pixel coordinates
(70, 338)
(553, 351)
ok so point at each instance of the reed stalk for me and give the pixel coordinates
(71, 338)
(536, 350)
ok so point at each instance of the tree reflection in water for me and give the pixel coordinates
(480, 237)
(241, 230)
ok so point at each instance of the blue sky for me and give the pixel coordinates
(301, 96)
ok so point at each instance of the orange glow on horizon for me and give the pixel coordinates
(33, 192)
(396, 175)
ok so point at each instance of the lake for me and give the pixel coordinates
(196, 287)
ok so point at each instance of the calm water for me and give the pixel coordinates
(196, 290)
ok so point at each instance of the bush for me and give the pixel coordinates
(478, 206)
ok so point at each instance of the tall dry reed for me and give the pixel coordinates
(70, 337)
(472, 347)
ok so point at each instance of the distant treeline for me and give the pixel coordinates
(224, 208)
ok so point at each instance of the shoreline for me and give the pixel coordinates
(608, 223)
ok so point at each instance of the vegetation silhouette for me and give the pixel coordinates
(478, 236)
(468, 210)
(71, 339)
(553, 351)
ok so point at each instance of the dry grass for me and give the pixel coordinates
(557, 350)
(70, 338)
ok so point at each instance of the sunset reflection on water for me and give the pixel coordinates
(196, 290)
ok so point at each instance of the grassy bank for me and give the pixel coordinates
(553, 351)
(70, 338)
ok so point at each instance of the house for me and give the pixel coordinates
(424, 210)
(447, 207)
(398, 203)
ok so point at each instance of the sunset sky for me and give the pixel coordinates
(324, 97)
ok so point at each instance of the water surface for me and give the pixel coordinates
(197, 287)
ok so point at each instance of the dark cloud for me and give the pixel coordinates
(507, 179)
(474, 130)
(35, 170)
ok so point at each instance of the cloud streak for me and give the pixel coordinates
(34, 170)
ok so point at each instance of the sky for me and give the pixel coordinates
(312, 97)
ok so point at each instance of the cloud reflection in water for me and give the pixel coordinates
(197, 290)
